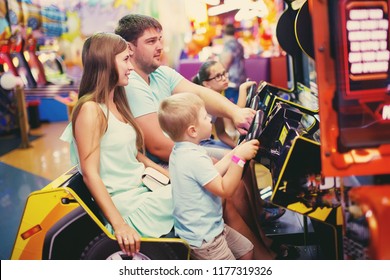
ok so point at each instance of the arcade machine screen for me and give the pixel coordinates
(54, 68)
(19, 61)
(363, 78)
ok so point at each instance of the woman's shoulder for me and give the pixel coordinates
(91, 109)
(90, 105)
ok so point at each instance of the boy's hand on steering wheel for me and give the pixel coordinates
(247, 149)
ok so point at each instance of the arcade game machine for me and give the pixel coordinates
(29, 52)
(37, 60)
(279, 109)
(5, 55)
(16, 43)
(8, 104)
(8, 111)
(338, 178)
(351, 43)
(40, 23)
(52, 21)
(19, 60)
(287, 124)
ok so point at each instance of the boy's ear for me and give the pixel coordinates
(191, 131)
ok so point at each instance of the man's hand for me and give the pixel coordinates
(242, 119)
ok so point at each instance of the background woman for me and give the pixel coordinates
(213, 75)
(107, 145)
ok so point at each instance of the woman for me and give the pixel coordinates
(214, 76)
(107, 145)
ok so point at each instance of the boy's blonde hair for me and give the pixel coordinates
(178, 112)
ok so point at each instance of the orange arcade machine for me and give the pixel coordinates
(328, 146)
(352, 55)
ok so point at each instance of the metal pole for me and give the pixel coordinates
(22, 117)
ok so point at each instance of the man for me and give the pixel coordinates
(151, 82)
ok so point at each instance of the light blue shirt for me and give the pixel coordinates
(197, 212)
(145, 99)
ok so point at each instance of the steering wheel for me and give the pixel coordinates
(250, 94)
(256, 126)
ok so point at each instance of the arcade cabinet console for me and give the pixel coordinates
(309, 169)
(352, 55)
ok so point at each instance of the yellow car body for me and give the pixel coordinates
(61, 220)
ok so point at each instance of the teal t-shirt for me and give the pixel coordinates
(145, 99)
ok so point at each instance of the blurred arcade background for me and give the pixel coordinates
(41, 43)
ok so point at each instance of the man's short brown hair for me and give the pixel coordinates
(132, 26)
(178, 112)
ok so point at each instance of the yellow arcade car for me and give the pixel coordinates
(62, 221)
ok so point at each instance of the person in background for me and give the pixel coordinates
(107, 144)
(213, 75)
(232, 58)
(198, 185)
(152, 82)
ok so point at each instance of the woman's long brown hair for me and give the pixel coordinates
(100, 76)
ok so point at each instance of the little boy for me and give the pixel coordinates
(198, 185)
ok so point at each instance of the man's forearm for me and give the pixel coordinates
(161, 151)
(216, 104)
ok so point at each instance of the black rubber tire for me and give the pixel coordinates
(102, 247)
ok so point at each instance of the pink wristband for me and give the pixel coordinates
(239, 161)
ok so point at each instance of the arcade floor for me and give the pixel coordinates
(25, 170)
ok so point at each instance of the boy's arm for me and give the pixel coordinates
(225, 185)
(223, 164)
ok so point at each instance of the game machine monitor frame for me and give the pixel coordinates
(352, 62)
(354, 98)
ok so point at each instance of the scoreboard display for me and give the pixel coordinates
(352, 59)
(365, 47)
(362, 53)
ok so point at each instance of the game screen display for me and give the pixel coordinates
(363, 76)
(367, 51)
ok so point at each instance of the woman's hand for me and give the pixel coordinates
(128, 239)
